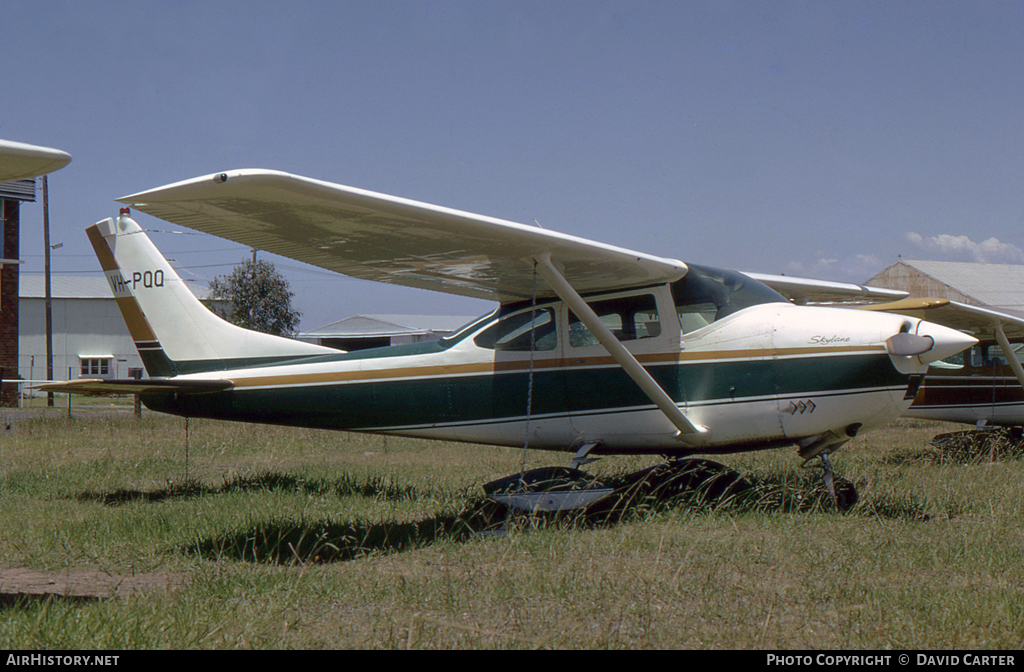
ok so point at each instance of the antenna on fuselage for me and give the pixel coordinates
(529, 378)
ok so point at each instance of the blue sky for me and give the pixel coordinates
(811, 138)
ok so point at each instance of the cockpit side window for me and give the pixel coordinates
(705, 295)
(628, 317)
(468, 328)
(517, 331)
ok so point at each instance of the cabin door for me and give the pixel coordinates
(605, 404)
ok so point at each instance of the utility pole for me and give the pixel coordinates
(48, 294)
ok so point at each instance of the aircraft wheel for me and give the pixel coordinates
(548, 489)
(987, 445)
(846, 493)
(708, 479)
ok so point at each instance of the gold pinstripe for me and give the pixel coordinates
(417, 372)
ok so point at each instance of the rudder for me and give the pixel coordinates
(173, 331)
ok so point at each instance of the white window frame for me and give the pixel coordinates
(95, 366)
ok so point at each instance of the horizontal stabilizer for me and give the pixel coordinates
(99, 387)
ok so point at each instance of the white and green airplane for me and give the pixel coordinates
(593, 349)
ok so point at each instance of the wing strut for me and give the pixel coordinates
(688, 431)
(1011, 356)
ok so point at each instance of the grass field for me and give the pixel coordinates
(282, 538)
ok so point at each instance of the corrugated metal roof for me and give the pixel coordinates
(999, 286)
(78, 287)
(388, 325)
(19, 190)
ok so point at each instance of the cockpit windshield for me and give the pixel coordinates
(705, 295)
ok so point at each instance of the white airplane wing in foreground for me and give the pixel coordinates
(19, 161)
(379, 237)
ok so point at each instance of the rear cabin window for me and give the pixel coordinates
(629, 317)
(516, 332)
(705, 295)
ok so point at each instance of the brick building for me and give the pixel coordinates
(11, 196)
(20, 164)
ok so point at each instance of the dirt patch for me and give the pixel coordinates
(83, 583)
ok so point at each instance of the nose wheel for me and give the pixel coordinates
(841, 491)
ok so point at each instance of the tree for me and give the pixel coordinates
(258, 298)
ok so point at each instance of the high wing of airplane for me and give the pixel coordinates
(593, 349)
(19, 161)
(378, 237)
(983, 386)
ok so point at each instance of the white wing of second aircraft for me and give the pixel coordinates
(981, 322)
(19, 161)
(379, 237)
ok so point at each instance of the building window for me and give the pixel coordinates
(95, 366)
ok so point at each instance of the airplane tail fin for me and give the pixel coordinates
(173, 331)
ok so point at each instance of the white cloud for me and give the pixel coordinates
(991, 251)
(855, 269)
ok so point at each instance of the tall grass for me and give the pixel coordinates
(272, 537)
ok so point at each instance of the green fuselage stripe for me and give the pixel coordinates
(384, 404)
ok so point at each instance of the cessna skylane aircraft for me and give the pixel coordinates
(593, 349)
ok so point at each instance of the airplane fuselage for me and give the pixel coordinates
(767, 374)
(708, 360)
